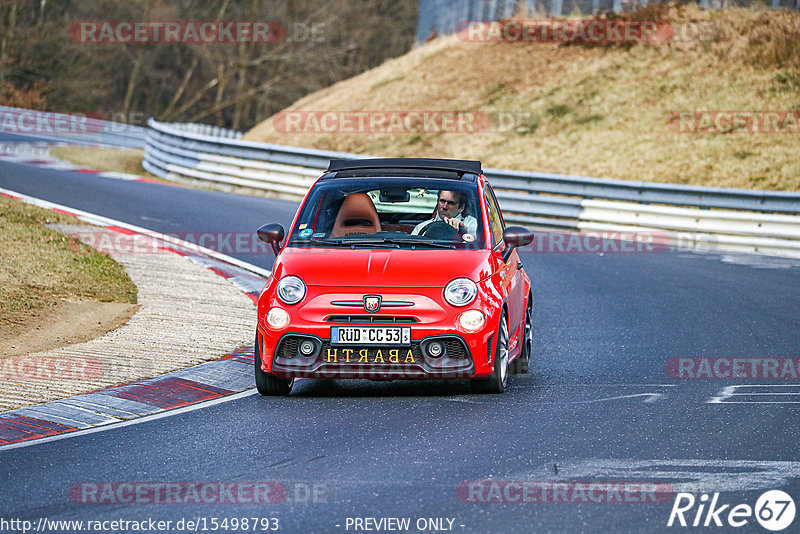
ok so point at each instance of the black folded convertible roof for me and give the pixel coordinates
(458, 165)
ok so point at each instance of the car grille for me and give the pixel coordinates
(371, 319)
(455, 347)
(288, 348)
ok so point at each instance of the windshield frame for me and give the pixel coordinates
(385, 239)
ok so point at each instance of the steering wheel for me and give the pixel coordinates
(440, 230)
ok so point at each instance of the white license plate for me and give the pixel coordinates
(370, 335)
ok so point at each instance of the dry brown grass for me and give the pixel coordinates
(596, 110)
(40, 267)
(127, 160)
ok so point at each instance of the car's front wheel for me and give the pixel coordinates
(498, 380)
(266, 383)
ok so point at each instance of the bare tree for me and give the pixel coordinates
(228, 84)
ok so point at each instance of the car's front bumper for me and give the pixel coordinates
(375, 363)
(423, 310)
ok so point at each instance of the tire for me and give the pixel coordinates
(522, 365)
(268, 384)
(498, 380)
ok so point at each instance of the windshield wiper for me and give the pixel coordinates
(394, 242)
(315, 240)
(338, 242)
(413, 241)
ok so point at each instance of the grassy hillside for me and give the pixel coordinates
(593, 110)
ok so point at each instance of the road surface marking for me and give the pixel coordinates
(143, 419)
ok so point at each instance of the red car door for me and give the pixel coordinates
(509, 269)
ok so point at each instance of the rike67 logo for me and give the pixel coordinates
(774, 510)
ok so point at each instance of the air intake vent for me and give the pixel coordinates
(371, 319)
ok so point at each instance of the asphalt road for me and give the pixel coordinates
(600, 407)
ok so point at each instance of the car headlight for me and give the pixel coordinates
(472, 320)
(460, 292)
(291, 289)
(277, 318)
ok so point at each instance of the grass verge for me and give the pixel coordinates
(40, 267)
(127, 160)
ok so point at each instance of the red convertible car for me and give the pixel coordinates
(395, 269)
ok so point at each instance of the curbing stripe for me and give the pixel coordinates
(12, 428)
(229, 376)
(139, 420)
(57, 412)
(34, 411)
(12, 435)
(150, 396)
(83, 415)
(131, 408)
(38, 423)
(189, 388)
(99, 417)
(99, 408)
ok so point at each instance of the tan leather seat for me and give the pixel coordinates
(356, 216)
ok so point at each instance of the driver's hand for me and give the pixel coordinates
(455, 223)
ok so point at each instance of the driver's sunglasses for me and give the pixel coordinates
(447, 202)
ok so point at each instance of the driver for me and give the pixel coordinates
(450, 209)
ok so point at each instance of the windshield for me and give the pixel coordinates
(390, 213)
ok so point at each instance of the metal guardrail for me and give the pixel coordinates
(198, 153)
(61, 127)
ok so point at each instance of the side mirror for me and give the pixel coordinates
(273, 234)
(517, 236)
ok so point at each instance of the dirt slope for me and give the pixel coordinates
(604, 110)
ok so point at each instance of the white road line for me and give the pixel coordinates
(651, 397)
(751, 394)
(130, 422)
(684, 475)
(729, 392)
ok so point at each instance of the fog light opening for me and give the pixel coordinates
(306, 348)
(435, 349)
